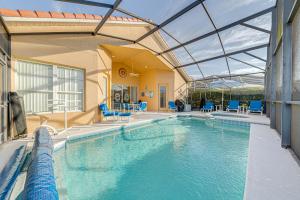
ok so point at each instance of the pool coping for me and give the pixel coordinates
(86, 134)
(273, 172)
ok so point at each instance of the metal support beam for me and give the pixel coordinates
(169, 20)
(225, 55)
(107, 15)
(163, 57)
(221, 43)
(256, 28)
(254, 56)
(268, 81)
(246, 63)
(226, 76)
(88, 3)
(194, 60)
(273, 69)
(286, 90)
(135, 16)
(221, 29)
(294, 11)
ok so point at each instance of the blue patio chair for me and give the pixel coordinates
(233, 105)
(209, 107)
(143, 106)
(106, 112)
(172, 106)
(127, 106)
(256, 107)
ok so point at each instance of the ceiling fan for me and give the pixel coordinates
(132, 72)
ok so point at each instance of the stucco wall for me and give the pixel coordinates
(147, 81)
(128, 80)
(84, 51)
(67, 51)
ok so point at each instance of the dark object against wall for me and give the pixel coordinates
(17, 106)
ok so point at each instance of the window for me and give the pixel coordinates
(49, 88)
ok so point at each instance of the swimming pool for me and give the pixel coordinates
(180, 158)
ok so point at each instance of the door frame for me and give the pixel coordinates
(167, 96)
(4, 105)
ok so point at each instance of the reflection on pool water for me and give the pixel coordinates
(176, 159)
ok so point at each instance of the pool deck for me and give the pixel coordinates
(273, 172)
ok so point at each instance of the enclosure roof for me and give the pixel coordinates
(208, 38)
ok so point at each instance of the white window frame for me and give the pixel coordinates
(54, 101)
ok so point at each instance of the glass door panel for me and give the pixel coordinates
(117, 96)
(133, 94)
(162, 97)
(3, 102)
(126, 94)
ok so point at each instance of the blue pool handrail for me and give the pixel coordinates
(40, 181)
(172, 106)
(255, 106)
(209, 106)
(233, 105)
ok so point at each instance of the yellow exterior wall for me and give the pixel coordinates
(85, 52)
(72, 52)
(128, 80)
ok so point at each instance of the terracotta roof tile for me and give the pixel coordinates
(113, 18)
(98, 17)
(89, 16)
(119, 18)
(41, 14)
(10, 13)
(28, 13)
(69, 15)
(60, 15)
(79, 16)
(56, 15)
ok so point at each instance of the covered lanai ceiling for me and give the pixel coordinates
(210, 39)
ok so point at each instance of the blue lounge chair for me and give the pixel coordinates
(255, 106)
(143, 106)
(106, 112)
(209, 106)
(172, 106)
(233, 105)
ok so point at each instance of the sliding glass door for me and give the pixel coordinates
(123, 94)
(3, 100)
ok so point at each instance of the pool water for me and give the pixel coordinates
(176, 159)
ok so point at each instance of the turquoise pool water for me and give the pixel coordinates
(176, 159)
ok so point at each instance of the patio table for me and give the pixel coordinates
(219, 107)
(243, 109)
